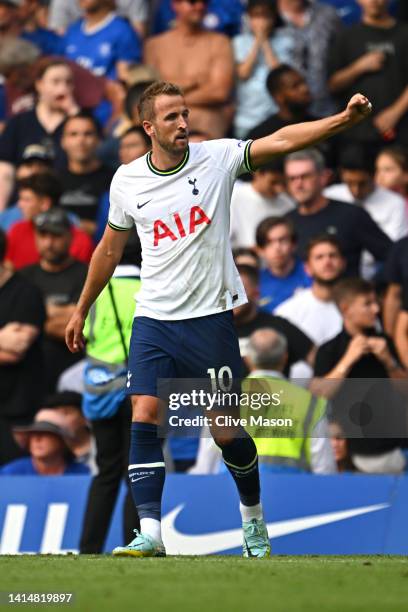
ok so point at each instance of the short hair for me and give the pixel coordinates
(43, 185)
(269, 223)
(267, 348)
(133, 96)
(17, 52)
(84, 115)
(156, 89)
(357, 157)
(63, 398)
(137, 129)
(312, 155)
(322, 239)
(246, 252)
(350, 288)
(3, 245)
(274, 78)
(249, 271)
(275, 165)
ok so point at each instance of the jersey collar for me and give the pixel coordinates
(174, 170)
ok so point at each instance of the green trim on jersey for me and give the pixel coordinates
(118, 228)
(247, 156)
(174, 170)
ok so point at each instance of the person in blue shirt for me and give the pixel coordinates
(50, 454)
(102, 42)
(284, 272)
(222, 16)
(256, 53)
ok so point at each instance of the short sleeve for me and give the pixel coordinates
(325, 361)
(240, 48)
(118, 218)
(232, 155)
(299, 345)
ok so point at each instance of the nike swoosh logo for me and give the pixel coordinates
(139, 206)
(141, 478)
(206, 544)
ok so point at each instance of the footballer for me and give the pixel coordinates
(178, 196)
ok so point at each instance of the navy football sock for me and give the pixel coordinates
(241, 458)
(146, 470)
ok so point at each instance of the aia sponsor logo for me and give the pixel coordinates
(181, 227)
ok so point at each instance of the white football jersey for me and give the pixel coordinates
(183, 219)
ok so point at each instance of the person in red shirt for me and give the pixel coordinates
(38, 194)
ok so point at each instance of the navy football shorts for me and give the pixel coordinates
(181, 349)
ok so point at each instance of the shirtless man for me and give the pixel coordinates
(200, 62)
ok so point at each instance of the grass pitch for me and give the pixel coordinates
(213, 584)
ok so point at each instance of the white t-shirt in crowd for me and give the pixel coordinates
(321, 321)
(387, 208)
(249, 208)
(183, 219)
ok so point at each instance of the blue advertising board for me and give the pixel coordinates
(305, 514)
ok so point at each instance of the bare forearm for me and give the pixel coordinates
(298, 136)
(101, 268)
(401, 337)
(56, 324)
(392, 305)
(342, 79)
(244, 69)
(401, 104)
(208, 94)
(269, 55)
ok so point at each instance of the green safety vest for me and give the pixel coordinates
(290, 445)
(103, 337)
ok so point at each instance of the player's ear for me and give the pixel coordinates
(148, 128)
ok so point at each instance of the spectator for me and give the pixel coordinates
(22, 318)
(396, 275)
(340, 448)
(313, 310)
(385, 207)
(290, 92)
(86, 179)
(103, 42)
(108, 329)
(48, 442)
(361, 352)
(308, 448)
(62, 14)
(60, 279)
(9, 23)
(36, 160)
(401, 330)
(178, 57)
(392, 170)
(248, 318)
(315, 215)
(46, 40)
(43, 125)
(252, 202)
(222, 16)
(263, 48)
(133, 144)
(365, 57)
(284, 273)
(69, 405)
(314, 27)
(37, 194)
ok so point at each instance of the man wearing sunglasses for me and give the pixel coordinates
(200, 62)
(178, 195)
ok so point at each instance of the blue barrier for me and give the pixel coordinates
(305, 514)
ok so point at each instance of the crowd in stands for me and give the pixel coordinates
(320, 238)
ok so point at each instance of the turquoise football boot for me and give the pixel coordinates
(256, 540)
(142, 546)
